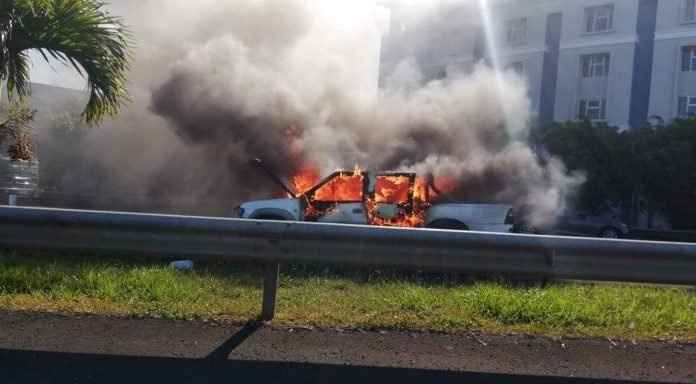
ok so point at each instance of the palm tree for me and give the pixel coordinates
(78, 33)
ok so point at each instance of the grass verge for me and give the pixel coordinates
(343, 298)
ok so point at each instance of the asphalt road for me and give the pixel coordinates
(47, 348)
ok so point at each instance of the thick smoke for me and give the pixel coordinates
(295, 82)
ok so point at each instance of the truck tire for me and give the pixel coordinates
(448, 224)
(610, 233)
(524, 228)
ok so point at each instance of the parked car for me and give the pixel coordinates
(572, 222)
(20, 178)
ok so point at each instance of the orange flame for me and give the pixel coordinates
(420, 191)
(303, 181)
(401, 219)
(397, 201)
(345, 187)
(444, 184)
(392, 189)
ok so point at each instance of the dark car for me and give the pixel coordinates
(573, 222)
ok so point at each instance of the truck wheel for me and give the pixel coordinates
(524, 228)
(610, 233)
(448, 224)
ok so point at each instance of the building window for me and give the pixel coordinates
(687, 105)
(516, 30)
(516, 66)
(594, 110)
(595, 65)
(689, 59)
(689, 11)
(598, 19)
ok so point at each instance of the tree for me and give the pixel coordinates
(656, 162)
(597, 149)
(14, 125)
(667, 155)
(78, 33)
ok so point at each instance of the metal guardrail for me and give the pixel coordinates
(272, 243)
(662, 235)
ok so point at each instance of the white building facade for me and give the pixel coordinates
(614, 61)
(673, 89)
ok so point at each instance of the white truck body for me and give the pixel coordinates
(476, 217)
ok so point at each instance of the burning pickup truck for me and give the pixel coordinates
(394, 199)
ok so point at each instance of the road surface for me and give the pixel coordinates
(49, 348)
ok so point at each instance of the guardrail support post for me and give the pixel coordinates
(550, 257)
(270, 291)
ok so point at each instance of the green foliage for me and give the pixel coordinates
(657, 162)
(79, 33)
(310, 296)
(598, 150)
(665, 157)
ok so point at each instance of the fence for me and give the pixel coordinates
(272, 243)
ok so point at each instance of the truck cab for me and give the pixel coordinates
(349, 197)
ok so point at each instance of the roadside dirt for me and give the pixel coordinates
(48, 348)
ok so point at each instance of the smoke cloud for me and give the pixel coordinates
(295, 82)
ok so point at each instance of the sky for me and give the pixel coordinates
(54, 73)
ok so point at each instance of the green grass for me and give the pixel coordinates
(343, 298)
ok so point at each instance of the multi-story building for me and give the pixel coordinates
(673, 88)
(618, 61)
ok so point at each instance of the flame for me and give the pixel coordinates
(312, 212)
(345, 187)
(304, 180)
(393, 194)
(402, 219)
(399, 200)
(446, 184)
(420, 190)
(392, 189)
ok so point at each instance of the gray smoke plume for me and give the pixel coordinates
(295, 82)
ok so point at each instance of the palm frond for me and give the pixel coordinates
(18, 74)
(78, 33)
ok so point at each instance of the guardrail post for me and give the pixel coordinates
(270, 291)
(550, 257)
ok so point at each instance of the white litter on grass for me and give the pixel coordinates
(181, 265)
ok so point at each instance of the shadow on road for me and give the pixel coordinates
(223, 352)
(50, 367)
